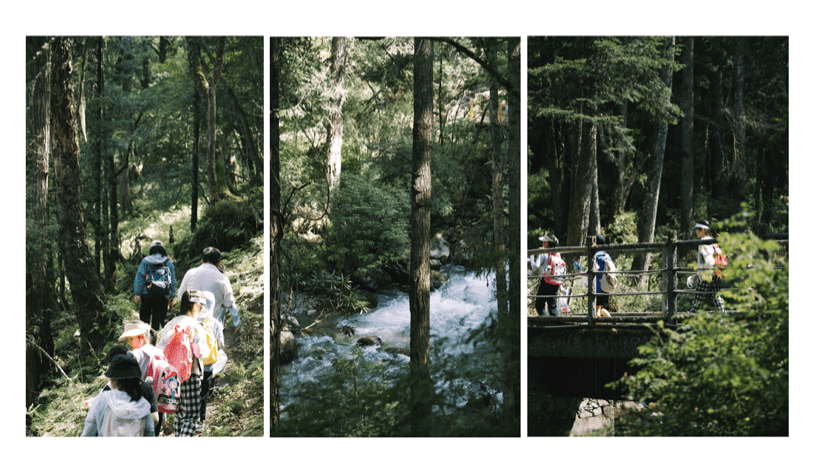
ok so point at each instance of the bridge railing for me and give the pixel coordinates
(668, 284)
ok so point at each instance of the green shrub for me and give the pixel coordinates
(369, 224)
(720, 375)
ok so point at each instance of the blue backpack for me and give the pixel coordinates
(158, 279)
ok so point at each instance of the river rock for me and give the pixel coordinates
(437, 280)
(369, 341)
(440, 249)
(436, 265)
(288, 344)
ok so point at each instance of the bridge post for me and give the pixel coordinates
(591, 249)
(670, 276)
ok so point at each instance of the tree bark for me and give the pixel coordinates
(740, 178)
(687, 139)
(498, 189)
(199, 103)
(419, 283)
(512, 377)
(212, 114)
(276, 234)
(39, 294)
(334, 138)
(594, 226)
(95, 322)
(648, 216)
(557, 166)
(581, 187)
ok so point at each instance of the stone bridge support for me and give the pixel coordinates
(567, 372)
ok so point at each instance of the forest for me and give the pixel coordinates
(394, 217)
(129, 141)
(635, 137)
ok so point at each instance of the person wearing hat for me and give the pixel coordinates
(187, 415)
(708, 283)
(208, 277)
(123, 411)
(153, 307)
(550, 282)
(135, 334)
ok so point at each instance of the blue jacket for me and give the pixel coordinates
(139, 287)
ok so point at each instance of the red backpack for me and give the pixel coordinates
(557, 269)
(179, 353)
(720, 261)
(166, 383)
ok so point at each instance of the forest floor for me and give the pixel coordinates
(237, 405)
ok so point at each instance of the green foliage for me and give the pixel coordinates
(623, 230)
(369, 224)
(356, 401)
(719, 375)
(226, 225)
(338, 291)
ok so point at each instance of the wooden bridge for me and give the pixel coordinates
(576, 354)
(668, 284)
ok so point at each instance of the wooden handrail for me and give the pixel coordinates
(669, 271)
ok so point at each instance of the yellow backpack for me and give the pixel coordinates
(210, 354)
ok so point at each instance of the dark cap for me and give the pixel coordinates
(123, 366)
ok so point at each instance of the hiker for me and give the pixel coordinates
(211, 325)
(709, 282)
(208, 277)
(189, 365)
(122, 411)
(552, 268)
(154, 287)
(605, 281)
(135, 334)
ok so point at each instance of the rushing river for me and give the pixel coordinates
(460, 306)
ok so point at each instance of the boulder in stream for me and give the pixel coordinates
(369, 341)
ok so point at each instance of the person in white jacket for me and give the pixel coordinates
(551, 281)
(708, 282)
(123, 411)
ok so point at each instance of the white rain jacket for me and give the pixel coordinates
(113, 414)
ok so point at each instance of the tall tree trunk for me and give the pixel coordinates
(512, 378)
(648, 216)
(687, 139)
(39, 294)
(95, 182)
(581, 186)
(498, 189)
(420, 279)
(196, 153)
(594, 226)
(95, 322)
(254, 161)
(334, 138)
(275, 232)
(212, 114)
(199, 106)
(557, 166)
(740, 178)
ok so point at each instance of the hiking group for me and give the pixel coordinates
(553, 297)
(150, 380)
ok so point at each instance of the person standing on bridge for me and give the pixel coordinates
(552, 269)
(709, 282)
(605, 281)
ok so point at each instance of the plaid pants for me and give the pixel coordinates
(187, 414)
(708, 289)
